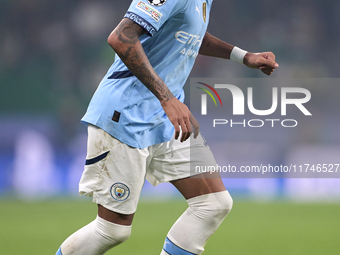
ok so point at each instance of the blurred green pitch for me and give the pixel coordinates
(280, 228)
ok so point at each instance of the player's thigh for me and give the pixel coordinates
(111, 216)
(199, 185)
(178, 162)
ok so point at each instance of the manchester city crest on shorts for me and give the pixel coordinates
(119, 191)
(157, 2)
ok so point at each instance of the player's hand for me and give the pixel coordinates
(181, 117)
(265, 61)
(195, 125)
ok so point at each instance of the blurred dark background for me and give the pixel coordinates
(53, 54)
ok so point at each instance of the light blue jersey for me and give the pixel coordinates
(122, 105)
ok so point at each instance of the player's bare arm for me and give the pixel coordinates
(124, 40)
(214, 47)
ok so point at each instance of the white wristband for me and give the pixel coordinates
(237, 55)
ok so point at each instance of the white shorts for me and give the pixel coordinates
(114, 172)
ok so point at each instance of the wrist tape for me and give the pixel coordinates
(237, 55)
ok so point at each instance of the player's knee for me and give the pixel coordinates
(211, 207)
(115, 233)
(220, 206)
(120, 237)
(225, 203)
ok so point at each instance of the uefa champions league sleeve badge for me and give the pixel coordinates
(119, 191)
(157, 2)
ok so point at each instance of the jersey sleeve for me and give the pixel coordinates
(152, 14)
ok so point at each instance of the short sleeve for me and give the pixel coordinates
(152, 14)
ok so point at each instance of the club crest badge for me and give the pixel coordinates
(157, 2)
(119, 191)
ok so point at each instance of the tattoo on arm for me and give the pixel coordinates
(129, 31)
(133, 56)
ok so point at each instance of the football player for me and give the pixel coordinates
(139, 128)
